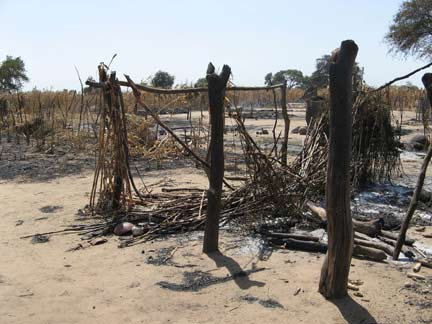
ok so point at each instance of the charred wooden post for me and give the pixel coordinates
(427, 82)
(216, 93)
(335, 270)
(284, 147)
(118, 144)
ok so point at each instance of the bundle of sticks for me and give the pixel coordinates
(375, 147)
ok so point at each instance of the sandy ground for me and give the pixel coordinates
(43, 283)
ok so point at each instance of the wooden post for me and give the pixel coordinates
(216, 93)
(335, 269)
(117, 142)
(427, 82)
(284, 147)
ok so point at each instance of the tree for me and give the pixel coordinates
(294, 78)
(12, 74)
(201, 83)
(268, 79)
(320, 77)
(162, 80)
(411, 30)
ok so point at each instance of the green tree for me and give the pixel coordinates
(162, 79)
(12, 74)
(201, 83)
(411, 30)
(268, 79)
(294, 78)
(320, 77)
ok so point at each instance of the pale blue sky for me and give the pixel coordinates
(181, 37)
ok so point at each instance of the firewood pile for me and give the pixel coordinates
(370, 240)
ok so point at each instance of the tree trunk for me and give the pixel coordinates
(427, 82)
(335, 270)
(216, 93)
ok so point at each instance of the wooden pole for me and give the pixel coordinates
(117, 143)
(216, 93)
(284, 148)
(427, 82)
(335, 270)
(181, 91)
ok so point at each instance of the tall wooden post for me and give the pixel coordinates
(335, 270)
(427, 82)
(284, 147)
(216, 93)
(117, 142)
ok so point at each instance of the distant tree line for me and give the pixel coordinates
(318, 79)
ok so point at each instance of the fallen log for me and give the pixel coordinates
(387, 240)
(376, 245)
(371, 228)
(425, 262)
(300, 237)
(370, 253)
(362, 236)
(416, 276)
(308, 246)
(293, 244)
(417, 267)
(405, 250)
(394, 236)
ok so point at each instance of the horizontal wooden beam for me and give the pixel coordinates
(181, 91)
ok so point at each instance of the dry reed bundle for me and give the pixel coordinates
(375, 147)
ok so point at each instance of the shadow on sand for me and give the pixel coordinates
(241, 277)
(353, 312)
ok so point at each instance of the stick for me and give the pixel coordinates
(402, 77)
(427, 82)
(180, 189)
(201, 205)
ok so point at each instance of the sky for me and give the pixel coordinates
(183, 36)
